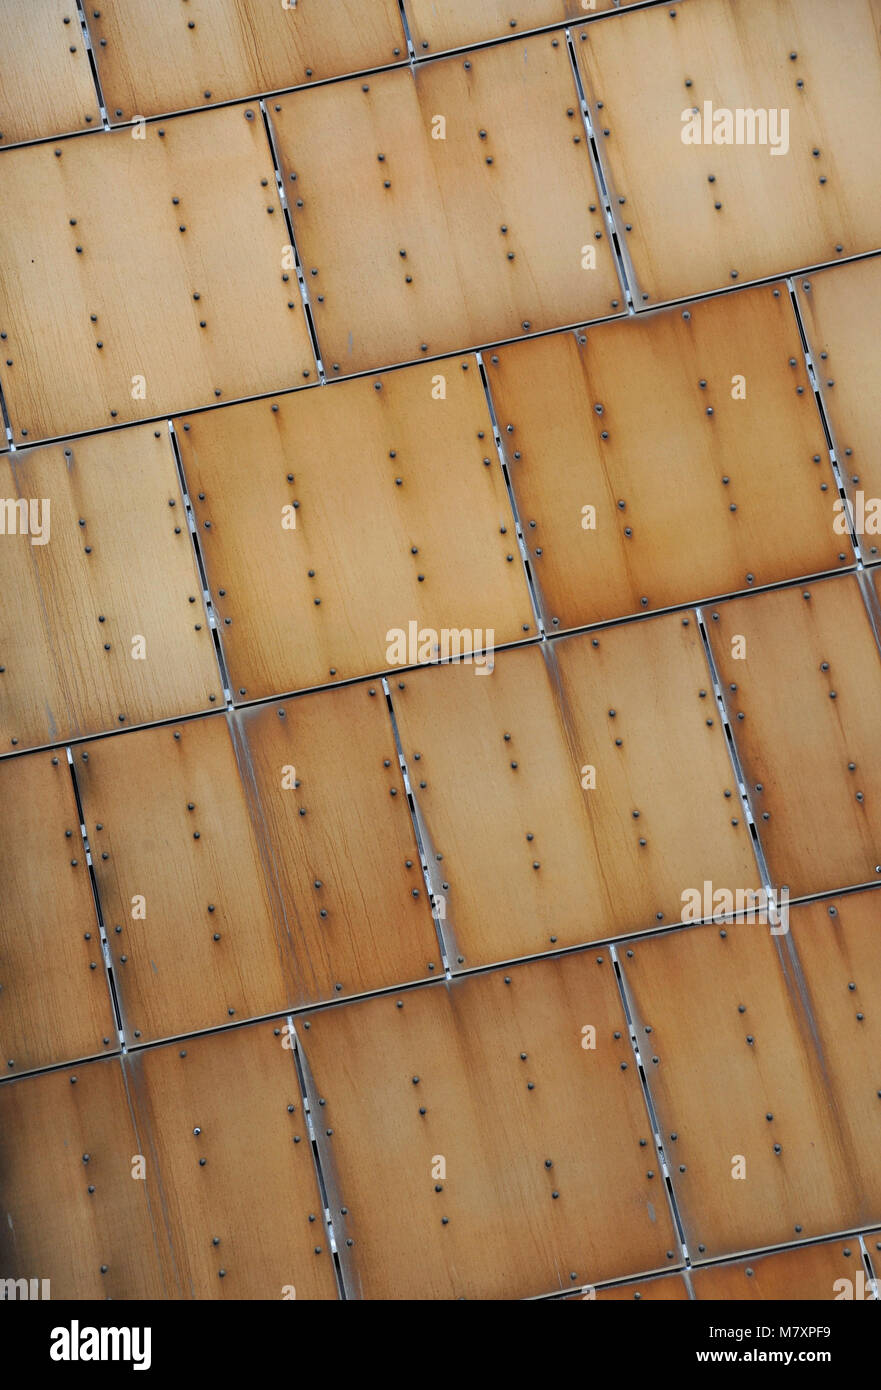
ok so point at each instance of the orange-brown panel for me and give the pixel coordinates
(809, 1273)
(840, 308)
(665, 1287)
(741, 138)
(837, 943)
(77, 1207)
(228, 1133)
(195, 930)
(476, 205)
(803, 685)
(159, 55)
(758, 1143)
(456, 23)
(480, 1149)
(325, 771)
(108, 627)
(694, 437)
(333, 518)
(54, 997)
(46, 85)
(563, 802)
(145, 275)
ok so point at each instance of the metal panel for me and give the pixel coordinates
(751, 1122)
(46, 84)
(545, 1181)
(71, 1211)
(332, 802)
(666, 1287)
(701, 215)
(457, 23)
(54, 999)
(531, 856)
(810, 1272)
(696, 490)
(195, 935)
(108, 626)
(315, 560)
(173, 231)
(459, 240)
(157, 55)
(803, 703)
(841, 308)
(239, 1188)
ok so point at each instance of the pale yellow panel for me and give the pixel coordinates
(336, 518)
(196, 933)
(160, 55)
(547, 1179)
(458, 240)
(174, 230)
(758, 1143)
(71, 1210)
(841, 309)
(572, 793)
(693, 435)
(54, 997)
(455, 23)
(108, 628)
(808, 186)
(226, 1121)
(46, 85)
(802, 681)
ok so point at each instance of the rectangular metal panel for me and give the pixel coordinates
(802, 679)
(750, 1119)
(108, 626)
(46, 85)
(572, 794)
(325, 774)
(231, 1141)
(479, 1147)
(796, 183)
(77, 1207)
(841, 309)
(693, 436)
(121, 247)
(810, 1272)
(196, 934)
(158, 55)
(54, 998)
(476, 205)
(332, 520)
(457, 23)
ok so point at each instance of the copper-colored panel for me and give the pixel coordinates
(76, 1206)
(840, 308)
(459, 240)
(810, 1272)
(531, 857)
(665, 1287)
(54, 999)
(158, 55)
(333, 805)
(315, 562)
(46, 85)
(195, 932)
(456, 23)
(804, 708)
(837, 945)
(120, 249)
(796, 183)
(238, 1182)
(740, 1088)
(545, 1180)
(108, 626)
(697, 489)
